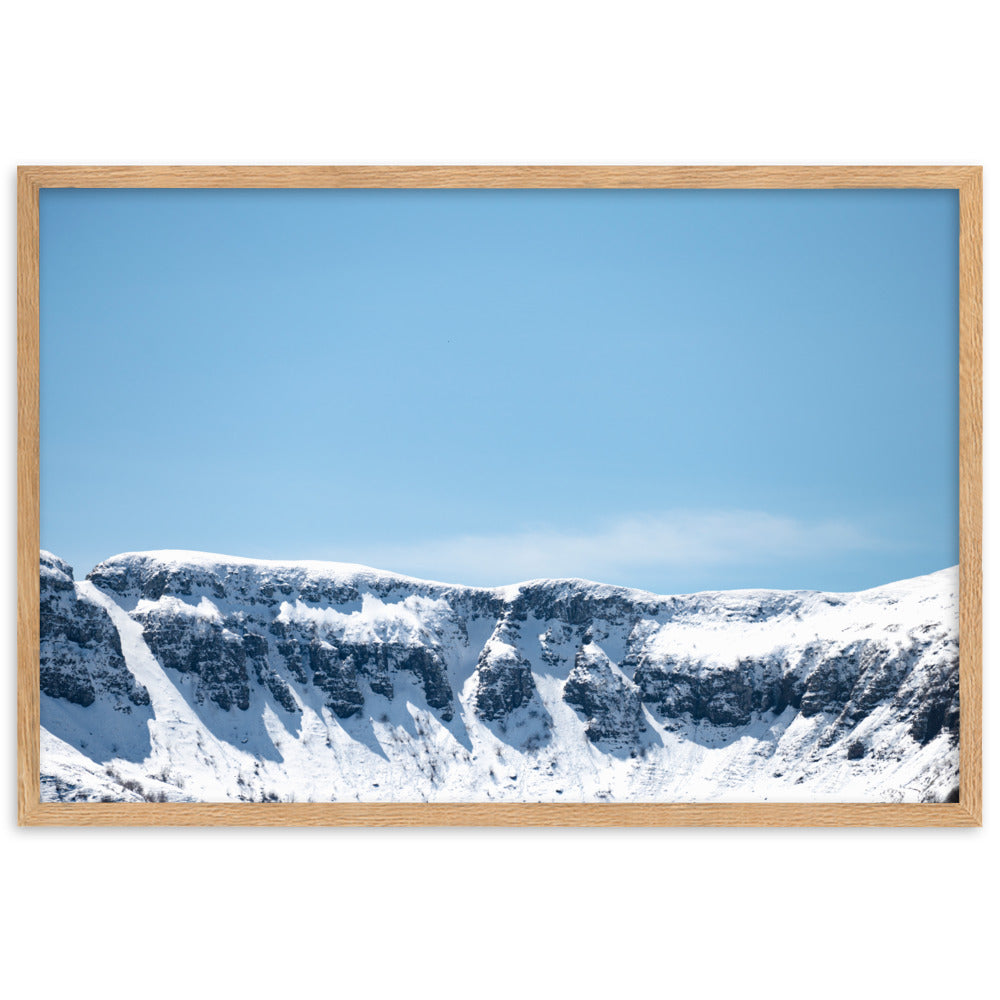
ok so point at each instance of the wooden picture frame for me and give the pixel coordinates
(967, 180)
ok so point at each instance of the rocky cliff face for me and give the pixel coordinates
(333, 681)
(81, 654)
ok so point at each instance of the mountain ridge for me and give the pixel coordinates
(195, 558)
(315, 680)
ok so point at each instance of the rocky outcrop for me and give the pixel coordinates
(338, 665)
(608, 700)
(718, 694)
(337, 676)
(192, 641)
(503, 681)
(81, 654)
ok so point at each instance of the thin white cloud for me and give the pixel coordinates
(675, 542)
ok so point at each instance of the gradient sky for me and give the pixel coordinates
(673, 390)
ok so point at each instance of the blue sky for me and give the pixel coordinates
(673, 390)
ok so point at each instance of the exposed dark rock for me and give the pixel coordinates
(192, 643)
(713, 693)
(293, 649)
(279, 689)
(932, 702)
(832, 676)
(609, 701)
(503, 681)
(427, 665)
(327, 594)
(256, 648)
(575, 603)
(337, 677)
(80, 651)
(338, 664)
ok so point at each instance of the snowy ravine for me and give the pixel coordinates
(183, 676)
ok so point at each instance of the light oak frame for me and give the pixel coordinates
(966, 812)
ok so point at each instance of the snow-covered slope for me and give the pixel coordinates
(188, 676)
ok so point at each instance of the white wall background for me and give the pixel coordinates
(489, 913)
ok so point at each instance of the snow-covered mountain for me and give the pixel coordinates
(187, 676)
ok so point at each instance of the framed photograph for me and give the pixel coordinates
(597, 496)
